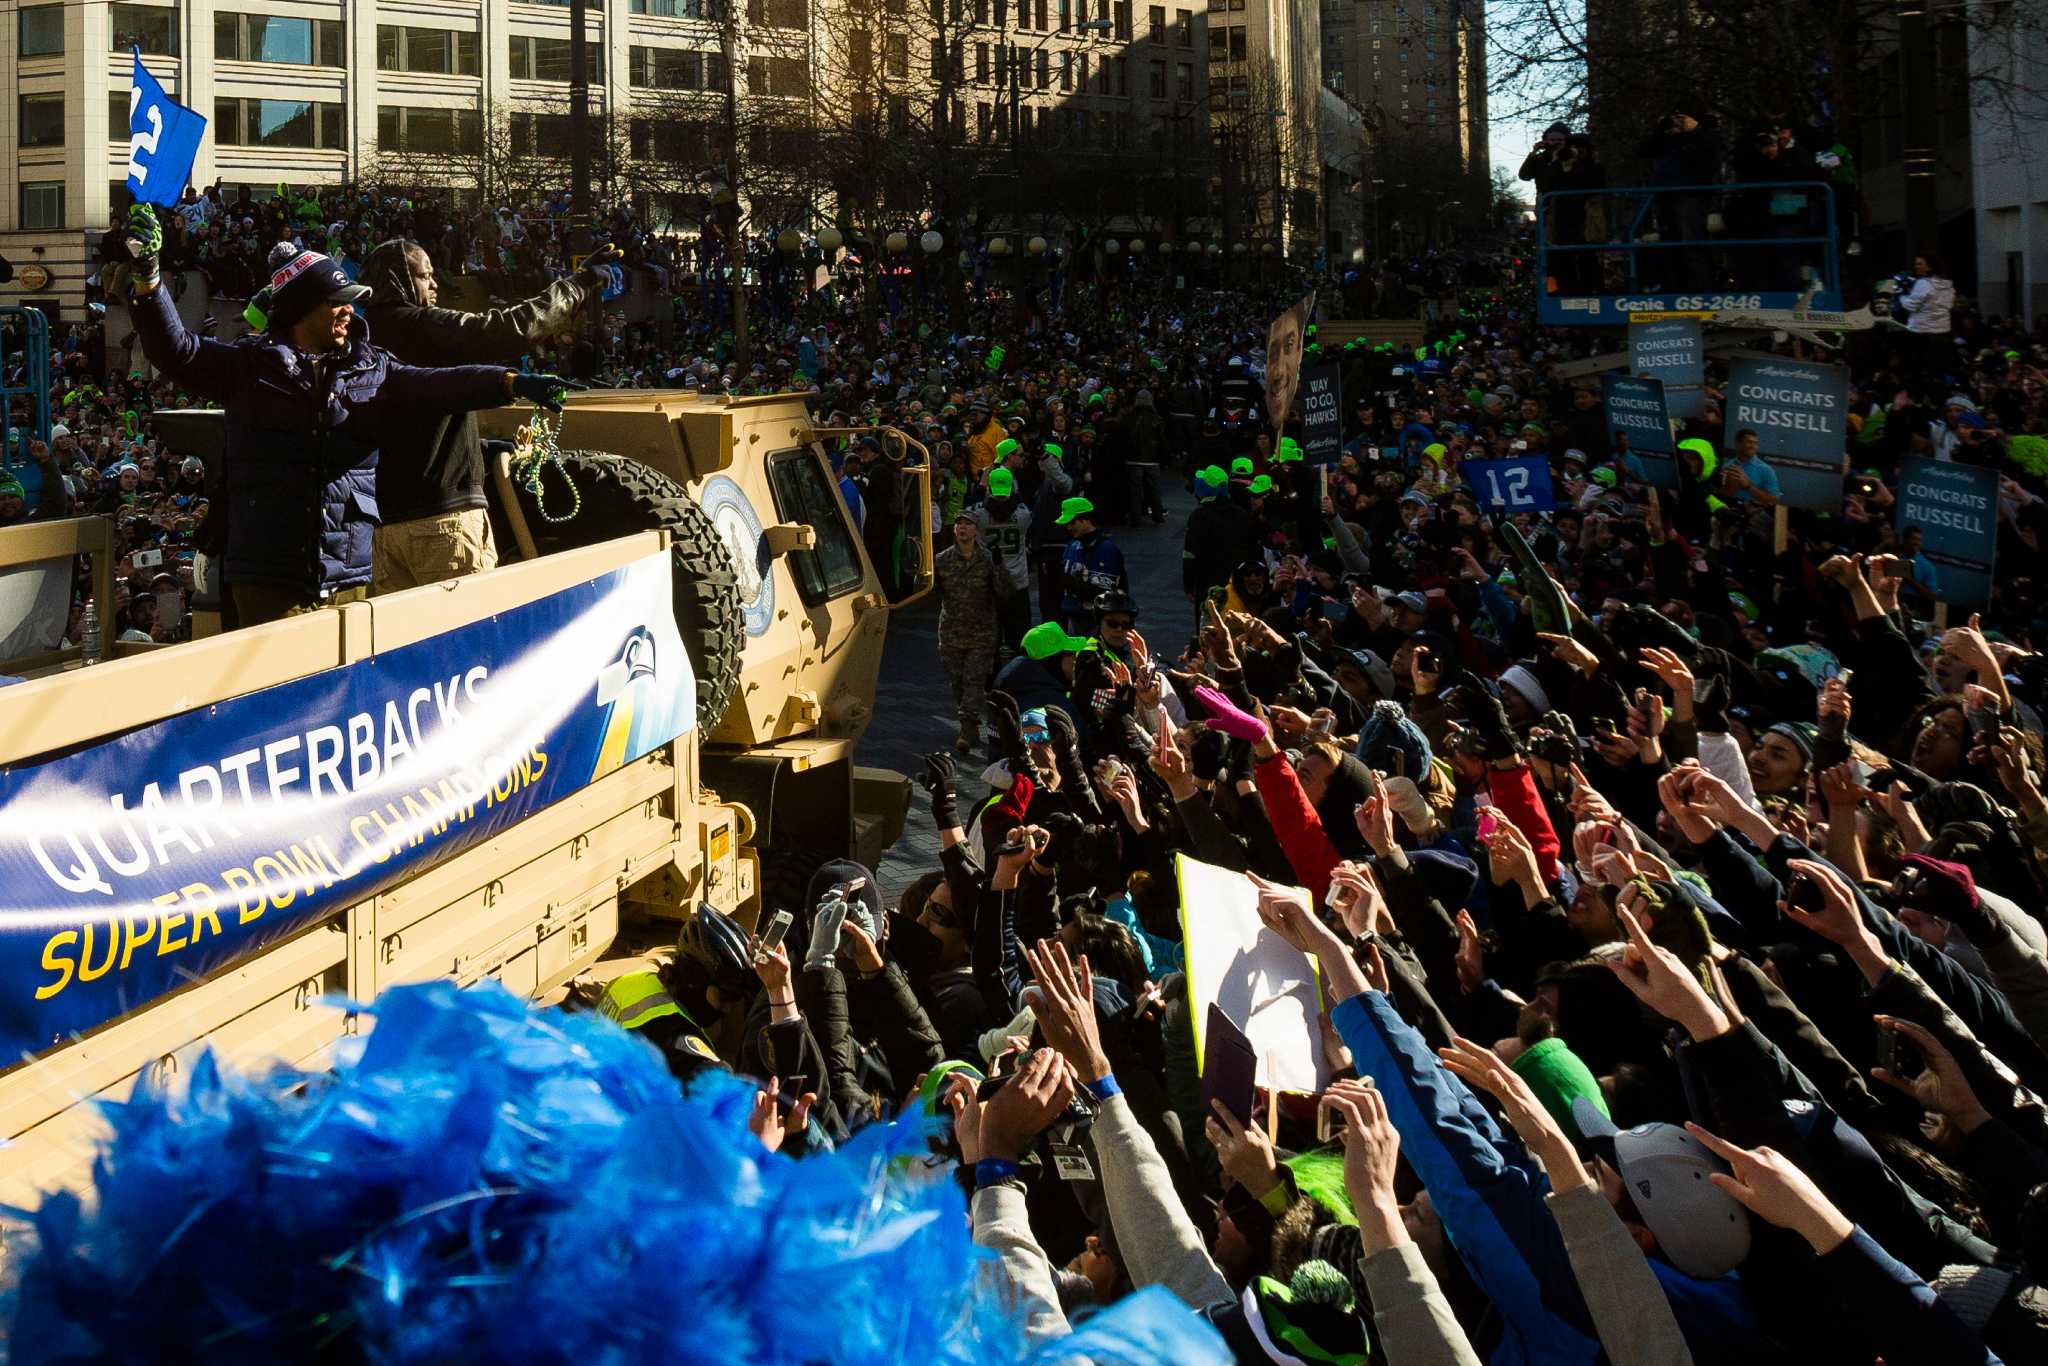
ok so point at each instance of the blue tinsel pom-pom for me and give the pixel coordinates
(480, 1181)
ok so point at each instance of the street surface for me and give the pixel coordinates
(914, 708)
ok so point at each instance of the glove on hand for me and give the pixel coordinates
(937, 780)
(594, 274)
(544, 391)
(1228, 719)
(144, 239)
(1066, 750)
(825, 935)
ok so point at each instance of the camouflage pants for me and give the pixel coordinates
(968, 664)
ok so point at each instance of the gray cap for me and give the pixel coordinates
(1701, 1229)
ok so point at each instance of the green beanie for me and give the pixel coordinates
(10, 487)
(1558, 1077)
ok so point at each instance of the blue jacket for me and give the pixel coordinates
(1092, 566)
(1490, 1195)
(302, 440)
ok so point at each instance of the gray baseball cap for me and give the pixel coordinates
(1701, 1229)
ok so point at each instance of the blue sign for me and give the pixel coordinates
(1956, 509)
(1518, 485)
(171, 852)
(163, 139)
(1675, 352)
(1799, 412)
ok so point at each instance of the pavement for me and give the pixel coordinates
(914, 707)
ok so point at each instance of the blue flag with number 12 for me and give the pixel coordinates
(1518, 485)
(163, 140)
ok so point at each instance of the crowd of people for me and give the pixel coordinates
(1672, 887)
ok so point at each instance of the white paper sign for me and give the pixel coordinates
(1267, 987)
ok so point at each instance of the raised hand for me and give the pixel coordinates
(1479, 1066)
(1940, 1085)
(1026, 1106)
(1657, 978)
(1244, 1151)
(774, 1125)
(1471, 957)
(1066, 1007)
(1771, 1186)
(1372, 1157)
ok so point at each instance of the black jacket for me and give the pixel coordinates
(436, 465)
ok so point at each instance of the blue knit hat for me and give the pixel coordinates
(1388, 731)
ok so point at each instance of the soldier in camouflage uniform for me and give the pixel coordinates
(968, 578)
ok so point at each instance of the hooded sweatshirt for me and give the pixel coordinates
(436, 465)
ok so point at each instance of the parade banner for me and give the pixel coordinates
(1322, 412)
(1518, 485)
(1636, 408)
(1675, 352)
(1956, 509)
(1799, 412)
(163, 856)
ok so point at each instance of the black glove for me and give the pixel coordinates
(544, 391)
(1009, 729)
(937, 780)
(144, 239)
(1066, 751)
(1064, 827)
(1485, 718)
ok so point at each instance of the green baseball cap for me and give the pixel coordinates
(1072, 508)
(1005, 447)
(1607, 475)
(936, 1079)
(1290, 449)
(1262, 485)
(1241, 467)
(1055, 451)
(1212, 474)
(1048, 639)
(1001, 483)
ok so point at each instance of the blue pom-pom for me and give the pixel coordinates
(479, 1180)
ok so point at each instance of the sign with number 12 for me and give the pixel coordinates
(1521, 485)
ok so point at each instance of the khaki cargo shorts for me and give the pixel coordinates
(430, 549)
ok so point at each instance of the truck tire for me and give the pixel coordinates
(618, 497)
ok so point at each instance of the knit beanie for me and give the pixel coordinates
(1387, 732)
(1973, 1293)
(1801, 734)
(301, 279)
(10, 487)
(1558, 1077)
(1524, 681)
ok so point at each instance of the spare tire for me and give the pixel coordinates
(619, 497)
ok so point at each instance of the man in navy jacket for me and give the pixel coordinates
(307, 401)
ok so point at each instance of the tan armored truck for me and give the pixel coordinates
(528, 774)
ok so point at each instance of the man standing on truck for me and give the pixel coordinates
(308, 403)
(967, 576)
(430, 482)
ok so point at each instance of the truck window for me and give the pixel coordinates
(804, 493)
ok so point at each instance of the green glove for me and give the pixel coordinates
(145, 242)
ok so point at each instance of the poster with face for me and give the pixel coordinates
(1283, 359)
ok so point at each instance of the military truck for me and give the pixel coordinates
(527, 774)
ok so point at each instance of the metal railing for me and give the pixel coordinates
(1645, 239)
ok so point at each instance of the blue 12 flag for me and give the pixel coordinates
(163, 140)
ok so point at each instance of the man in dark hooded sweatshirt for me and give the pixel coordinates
(430, 486)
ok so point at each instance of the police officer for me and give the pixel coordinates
(308, 402)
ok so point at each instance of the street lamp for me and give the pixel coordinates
(830, 239)
(897, 241)
(932, 242)
(1036, 246)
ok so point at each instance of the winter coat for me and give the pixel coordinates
(303, 436)
(432, 467)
